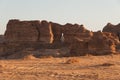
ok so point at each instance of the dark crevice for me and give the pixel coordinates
(38, 30)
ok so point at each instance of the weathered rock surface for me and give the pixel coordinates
(72, 31)
(22, 31)
(99, 44)
(113, 29)
(46, 34)
(102, 43)
(2, 39)
(68, 39)
(34, 31)
(57, 32)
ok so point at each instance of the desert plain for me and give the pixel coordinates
(88, 67)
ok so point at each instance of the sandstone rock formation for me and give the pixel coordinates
(57, 32)
(22, 31)
(27, 31)
(46, 34)
(113, 29)
(73, 31)
(99, 44)
(68, 39)
(102, 43)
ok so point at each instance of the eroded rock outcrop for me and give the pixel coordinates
(99, 44)
(103, 43)
(73, 39)
(113, 29)
(46, 34)
(71, 31)
(57, 32)
(22, 31)
(2, 39)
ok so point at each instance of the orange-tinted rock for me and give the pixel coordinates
(79, 48)
(75, 38)
(72, 31)
(112, 28)
(99, 44)
(27, 31)
(46, 34)
(102, 43)
(22, 31)
(57, 32)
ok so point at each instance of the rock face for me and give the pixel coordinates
(28, 31)
(2, 39)
(22, 31)
(102, 43)
(73, 39)
(57, 32)
(78, 48)
(113, 29)
(73, 31)
(46, 34)
(99, 44)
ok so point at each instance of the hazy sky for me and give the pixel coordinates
(94, 14)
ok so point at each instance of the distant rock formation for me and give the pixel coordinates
(22, 31)
(73, 39)
(103, 43)
(71, 31)
(113, 29)
(56, 30)
(33, 31)
(99, 44)
(45, 32)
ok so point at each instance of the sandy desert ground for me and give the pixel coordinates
(70, 68)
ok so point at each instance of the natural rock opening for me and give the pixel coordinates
(62, 38)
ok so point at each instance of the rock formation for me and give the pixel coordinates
(102, 43)
(73, 31)
(99, 44)
(57, 32)
(22, 31)
(46, 34)
(68, 39)
(27, 31)
(113, 29)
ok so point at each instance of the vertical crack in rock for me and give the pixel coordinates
(51, 33)
(38, 30)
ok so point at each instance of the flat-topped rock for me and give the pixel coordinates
(22, 31)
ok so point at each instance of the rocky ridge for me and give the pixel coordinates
(36, 37)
